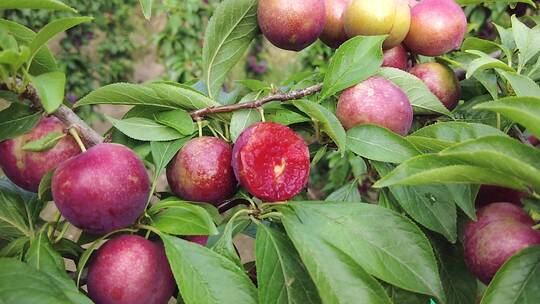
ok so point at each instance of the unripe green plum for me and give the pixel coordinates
(437, 27)
(375, 101)
(334, 34)
(382, 17)
(291, 25)
(441, 81)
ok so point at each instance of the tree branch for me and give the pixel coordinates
(198, 114)
(65, 115)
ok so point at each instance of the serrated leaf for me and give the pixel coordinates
(45, 143)
(179, 120)
(381, 144)
(145, 129)
(363, 235)
(281, 276)
(523, 110)
(421, 98)
(16, 120)
(354, 61)
(36, 4)
(327, 120)
(228, 35)
(203, 276)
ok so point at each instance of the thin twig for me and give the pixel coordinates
(198, 114)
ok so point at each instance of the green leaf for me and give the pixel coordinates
(179, 120)
(164, 151)
(44, 143)
(281, 276)
(44, 61)
(36, 4)
(15, 211)
(16, 120)
(430, 169)
(381, 144)
(523, 110)
(401, 296)
(242, 119)
(327, 120)
(52, 29)
(146, 6)
(50, 89)
(347, 193)
(43, 257)
(145, 129)
(485, 62)
(459, 284)
(475, 2)
(224, 245)
(523, 86)
(442, 135)
(284, 114)
(15, 248)
(44, 189)
(421, 98)
(517, 280)
(355, 60)
(183, 218)
(228, 35)
(24, 284)
(527, 41)
(203, 276)
(366, 234)
(474, 43)
(431, 206)
(503, 154)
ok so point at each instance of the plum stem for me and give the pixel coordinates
(73, 131)
(199, 125)
(62, 232)
(293, 95)
(261, 112)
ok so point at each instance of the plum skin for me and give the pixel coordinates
(437, 27)
(104, 189)
(27, 168)
(334, 34)
(488, 194)
(501, 230)
(441, 81)
(271, 161)
(375, 101)
(396, 57)
(291, 25)
(130, 269)
(202, 172)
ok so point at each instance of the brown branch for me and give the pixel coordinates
(65, 115)
(198, 114)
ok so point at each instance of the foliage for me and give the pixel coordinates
(389, 227)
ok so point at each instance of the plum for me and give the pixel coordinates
(375, 101)
(437, 27)
(201, 171)
(492, 194)
(396, 57)
(291, 25)
(487, 248)
(27, 168)
(334, 34)
(130, 269)
(271, 161)
(104, 189)
(382, 17)
(441, 81)
(199, 239)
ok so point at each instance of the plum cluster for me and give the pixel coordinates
(428, 27)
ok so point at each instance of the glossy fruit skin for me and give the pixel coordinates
(130, 270)
(382, 17)
(441, 81)
(437, 27)
(291, 25)
(104, 189)
(201, 171)
(375, 101)
(492, 194)
(27, 168)
(396, 57)
(501, 230)
(334, 34)
(271, 161)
